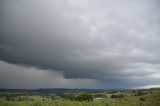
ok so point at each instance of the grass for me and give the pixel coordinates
(51, 103)
(130, 100)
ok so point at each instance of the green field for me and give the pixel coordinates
(149, 99)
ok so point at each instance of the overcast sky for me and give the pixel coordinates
(79, 43)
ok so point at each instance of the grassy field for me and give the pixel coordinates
(149, 99)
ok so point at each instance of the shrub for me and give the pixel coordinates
(142, 99)
(84, 97)
(117, 96)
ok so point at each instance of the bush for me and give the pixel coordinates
(142, 99)
(140, 93)
(117, 96)
(84, 97)
(8, 98)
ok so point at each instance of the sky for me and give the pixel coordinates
(79, 44)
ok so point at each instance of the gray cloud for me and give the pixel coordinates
(13, 76)
(114, 42)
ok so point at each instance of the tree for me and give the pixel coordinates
(84, 97)
(117, 96)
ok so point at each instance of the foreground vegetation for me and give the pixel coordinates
(132, 98)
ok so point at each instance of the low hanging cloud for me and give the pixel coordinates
(113, 42)
(13, 76)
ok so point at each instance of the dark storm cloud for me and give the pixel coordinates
(115, 42)
(22, 77)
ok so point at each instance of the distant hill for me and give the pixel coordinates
(52, 90)
(65, 90)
